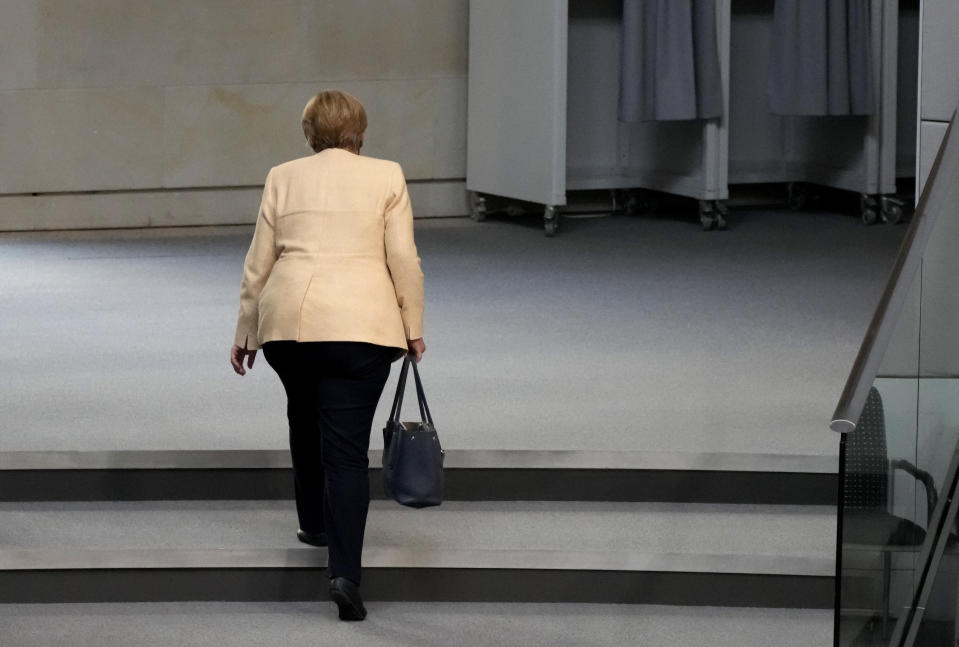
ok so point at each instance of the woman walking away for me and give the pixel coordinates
(333, 291)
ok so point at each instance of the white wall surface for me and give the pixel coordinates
(938, 77)
(930, 314)
(142, 99)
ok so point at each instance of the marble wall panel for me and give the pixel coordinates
(401, 117)
(116, 95)
(80, 139)
(123, 210)
(18, 44)
(101, 43)
(371, 39)
(118, 42)
(232, 135)
(182, 208)
(940, 50)
(439, 199)
(93, 43)
(229, 135)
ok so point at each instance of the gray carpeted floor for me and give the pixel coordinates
(620, 334)
(409, 624)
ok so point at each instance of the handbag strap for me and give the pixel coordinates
(425, 414)
(421, 397)
(400, 390)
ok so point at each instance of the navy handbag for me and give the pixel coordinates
(412, 455)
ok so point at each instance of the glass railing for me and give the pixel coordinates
(898, 559)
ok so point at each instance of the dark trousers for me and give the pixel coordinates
(332, 390)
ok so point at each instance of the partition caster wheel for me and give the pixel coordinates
(550, 221)
(712, 214)
(707, 216)
(890, 210)
(721, 211)
(477, 207)
(868, 209)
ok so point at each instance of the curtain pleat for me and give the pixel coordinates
(821, 60)
(670, 61)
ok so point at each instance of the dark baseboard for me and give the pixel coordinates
(411, 584)
(462, 484)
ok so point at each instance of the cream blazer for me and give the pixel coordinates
(332, 257)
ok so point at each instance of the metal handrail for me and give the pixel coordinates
(935, 198)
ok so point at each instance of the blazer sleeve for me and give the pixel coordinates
(402, 258)
(256, 269)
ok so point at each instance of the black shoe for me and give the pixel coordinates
(346, 594)
(311, 538)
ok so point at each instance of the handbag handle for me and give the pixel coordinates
(421, 397)
(425, 414)
(400, 390)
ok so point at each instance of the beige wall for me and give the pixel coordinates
(143, 99)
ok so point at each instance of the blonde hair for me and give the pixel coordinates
(334, 119)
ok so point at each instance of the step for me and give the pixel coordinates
(610, 552)
(410, 624)
(471, 475)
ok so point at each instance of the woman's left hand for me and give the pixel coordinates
(236, 359)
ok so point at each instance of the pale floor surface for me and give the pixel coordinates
(394, 624)
(620, 334)
(654, 528)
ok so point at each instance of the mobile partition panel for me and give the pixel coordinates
(543, 112)
(544, 83)
(516, 116)
(863, 154)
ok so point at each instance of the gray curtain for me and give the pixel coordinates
(821, 58)
(670, 61)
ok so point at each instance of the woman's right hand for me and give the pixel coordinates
(417, 348)
(236, 359)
